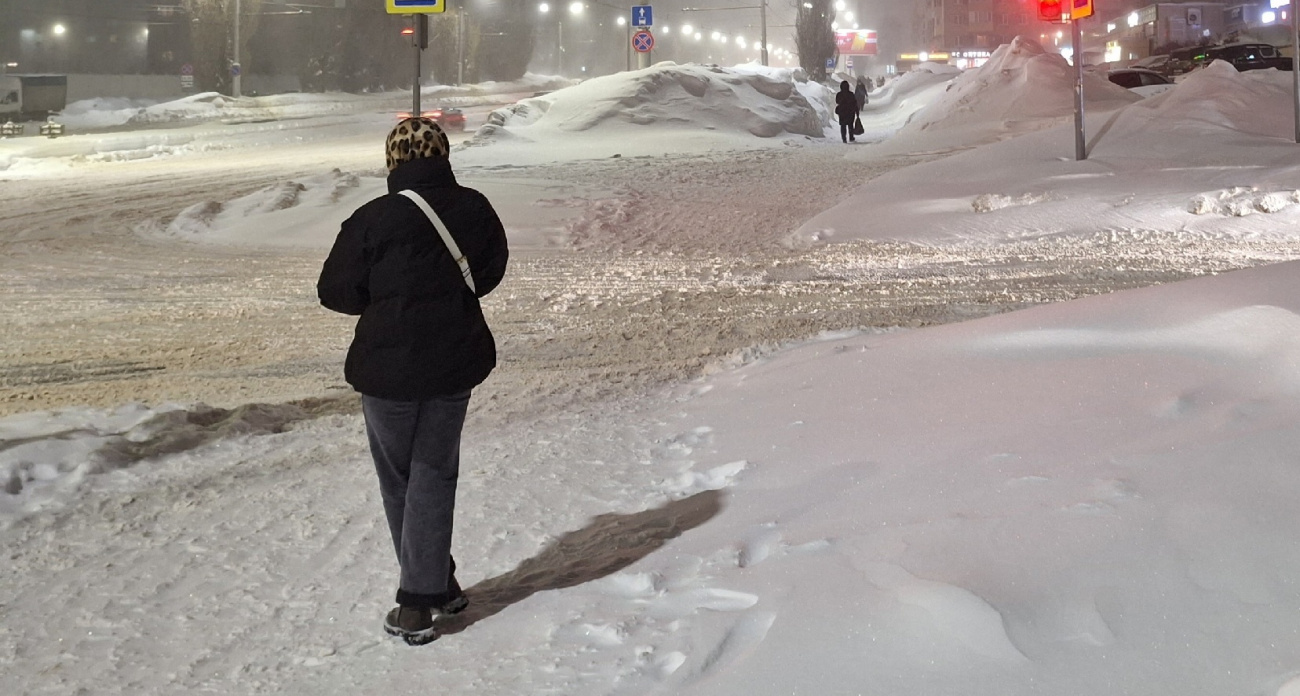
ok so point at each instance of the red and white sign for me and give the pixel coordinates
(856, 43)
(643, 41)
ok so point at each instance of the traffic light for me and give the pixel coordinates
(418, 30)
(1049, 11)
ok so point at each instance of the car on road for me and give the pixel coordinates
(448, 118)
(1140, 80)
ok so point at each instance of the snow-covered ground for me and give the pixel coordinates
(719, 457)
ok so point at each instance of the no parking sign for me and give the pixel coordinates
(643, 41)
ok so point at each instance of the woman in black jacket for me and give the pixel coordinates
(421, 344)
(846, 108)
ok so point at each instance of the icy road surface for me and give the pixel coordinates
(659, 280)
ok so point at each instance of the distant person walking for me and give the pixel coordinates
(846, 108)
(413, 265)
(861, 93)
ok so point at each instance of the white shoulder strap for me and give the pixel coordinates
(446, 236)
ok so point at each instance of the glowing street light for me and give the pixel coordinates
(60, 30)
(544, 8)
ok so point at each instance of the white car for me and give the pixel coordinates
(1140, 81)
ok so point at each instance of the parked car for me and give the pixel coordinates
(1183, 60)
(448, 119)
(1140, 80)
(1158, 63)
(1248, 56)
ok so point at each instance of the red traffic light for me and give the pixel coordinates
(1050, 10)
(408, 31)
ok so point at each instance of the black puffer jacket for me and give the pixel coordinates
(846, 106)
(421, 332)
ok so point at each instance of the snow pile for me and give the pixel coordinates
(916, 528)
(1218, 145)
(765, 103)
(48, 455)
(988, 202)
(890, 107)
(1021, 88)
(102, 112)
(205, 105)
(528, 84)
(1206, 104)
(1241, 201)
(306, 211)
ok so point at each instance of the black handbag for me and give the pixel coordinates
(857, 125)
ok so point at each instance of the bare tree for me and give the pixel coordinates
(814, 36)
(212, 37)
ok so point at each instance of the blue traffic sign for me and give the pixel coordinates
(643, 16)
(830, 63)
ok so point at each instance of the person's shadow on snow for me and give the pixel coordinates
(607, 545)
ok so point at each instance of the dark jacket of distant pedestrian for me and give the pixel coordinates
(861, 93)
(846, 108)
(421, 344)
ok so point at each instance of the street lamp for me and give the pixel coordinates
(575, 8)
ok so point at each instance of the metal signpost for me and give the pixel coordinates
(644, 42)
(1295, 64)
(421, 9)
(234, 63)
(1079, 9)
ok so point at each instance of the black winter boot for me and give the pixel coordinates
(457, 602)
(412, 624)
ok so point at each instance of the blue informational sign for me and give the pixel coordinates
(643, 16)
(416, 6)
(830, 63)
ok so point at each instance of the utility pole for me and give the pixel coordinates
(235, 70)
(1080, 147)
(1295, 64)
(421, 41)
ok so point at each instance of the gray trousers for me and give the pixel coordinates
(416, 448)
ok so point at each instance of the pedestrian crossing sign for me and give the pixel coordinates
(416, 6)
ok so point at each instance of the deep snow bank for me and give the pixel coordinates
(1021, 88)
(1211, 101)
(765, 103)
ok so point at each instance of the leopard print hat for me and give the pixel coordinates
(415, 138)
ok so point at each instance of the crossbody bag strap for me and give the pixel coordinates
(446, 236)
